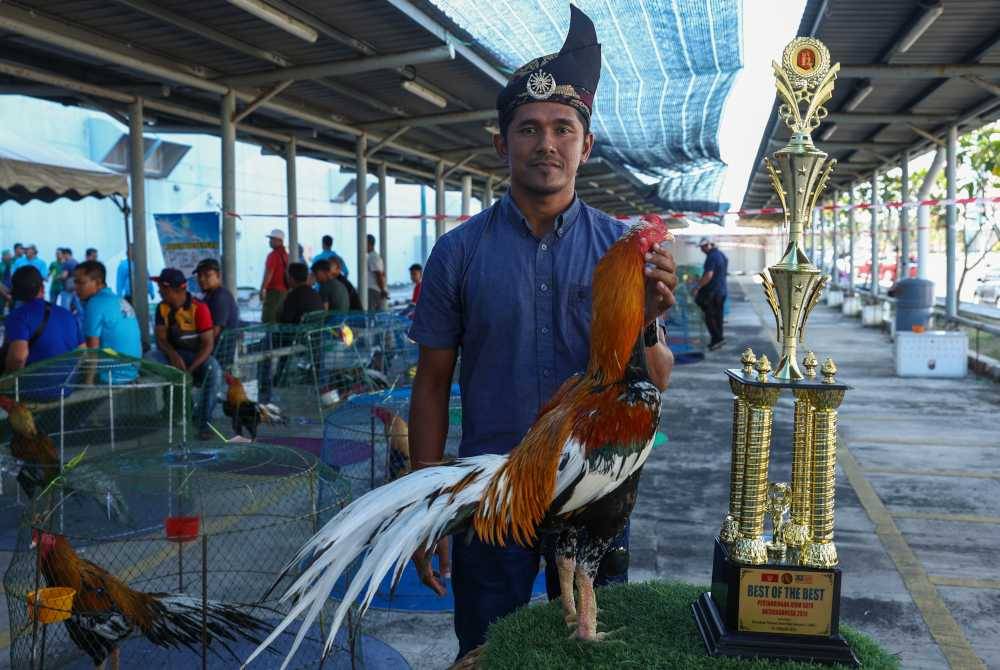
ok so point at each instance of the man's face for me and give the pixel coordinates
(85, 286)
(175, 297)
(545, 145)
(92, 256)
(18, 251)
(208, 279)
(321, 276)
(705, 248)
(334, 269)
(416, 276)
(31, 253)
(275, 242)
(7, 257)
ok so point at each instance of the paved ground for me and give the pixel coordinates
(918, 497)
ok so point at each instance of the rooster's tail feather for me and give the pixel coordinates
(387, 526)
(178, 619)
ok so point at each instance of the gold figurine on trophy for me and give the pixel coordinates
(779, 496)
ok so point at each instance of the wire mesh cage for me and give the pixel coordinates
(193, 580)
(686, 334)
(81, 406)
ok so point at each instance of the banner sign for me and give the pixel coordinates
(790, 602)
(188, 238)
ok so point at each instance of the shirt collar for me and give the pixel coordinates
(563, 222)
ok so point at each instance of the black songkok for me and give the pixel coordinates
(568, 77)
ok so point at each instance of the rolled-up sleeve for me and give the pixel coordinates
(437, 322)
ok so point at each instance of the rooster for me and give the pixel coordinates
(40, 467)
(572, 477)
(397, 436)
(248, 414)
(106, 611)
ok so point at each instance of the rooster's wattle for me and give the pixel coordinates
(574, 474)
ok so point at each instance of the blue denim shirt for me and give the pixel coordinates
(518, 309)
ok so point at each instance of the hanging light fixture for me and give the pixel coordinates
(425, 93)
(277, 18)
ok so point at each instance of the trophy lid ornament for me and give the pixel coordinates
(763, 367)
(748, 360)
(810, 363)
(829, 369)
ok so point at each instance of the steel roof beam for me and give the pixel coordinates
(983, 84)
(436, 29)
(433, 119)
(867, 117)
(922, 71)
(339, 68)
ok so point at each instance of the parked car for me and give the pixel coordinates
(987, 291)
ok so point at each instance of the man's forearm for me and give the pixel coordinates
(428, 423)
(660, 363)
(705, 279)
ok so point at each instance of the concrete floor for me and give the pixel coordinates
(918, 496)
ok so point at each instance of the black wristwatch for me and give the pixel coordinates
(649, 336)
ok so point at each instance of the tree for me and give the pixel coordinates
(979, 153)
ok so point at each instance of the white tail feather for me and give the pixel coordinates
(388, 525)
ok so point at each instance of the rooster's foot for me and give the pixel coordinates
(571, 620)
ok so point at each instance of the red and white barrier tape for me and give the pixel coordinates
(669, 215)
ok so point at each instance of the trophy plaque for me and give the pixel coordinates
(780, 597)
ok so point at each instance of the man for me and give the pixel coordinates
(301, 299)
(36, 330)
(354, 298)
(710, 293)
(329, 253)
(69, 298)
(90, 254)
(518, 308)
(108, 321)
(221, 303)
(275, 284)
(332, 293)
(184, 340)
(377, 292)
(31, 258)
(123, 278)
(417, 277)
(55, 277)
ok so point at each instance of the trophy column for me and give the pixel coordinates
(820, 552)
(796, 533)
(730, 525)
(750, 547)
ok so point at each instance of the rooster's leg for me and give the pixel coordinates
(566, 566)
(586, 625)
(116, 658)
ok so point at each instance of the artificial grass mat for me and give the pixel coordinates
(659, 632)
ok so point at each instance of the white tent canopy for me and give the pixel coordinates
(33, 172)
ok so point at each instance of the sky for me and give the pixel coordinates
(768, 25)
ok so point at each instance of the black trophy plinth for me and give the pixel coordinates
(736, 620)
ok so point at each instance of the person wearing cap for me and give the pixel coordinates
(275, 284)
(109, 322)
(221, 303)
(710, 293)
(185, 339)
(511, 289)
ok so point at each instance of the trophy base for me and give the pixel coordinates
(772, 611)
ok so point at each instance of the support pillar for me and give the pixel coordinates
(951, 211)
(228, 133)
(466, 195)
(835, 216)
(488, 193)
(291, 189)
(822, 238)
(904, 218)
(361, 178)
(850, 240)
(874, 233)
(137, 174)
(923, 215)
(383, 218)
(439, 203)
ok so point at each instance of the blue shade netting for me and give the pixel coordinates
(668, 66)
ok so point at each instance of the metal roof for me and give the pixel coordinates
(908, 71)
(180, 56)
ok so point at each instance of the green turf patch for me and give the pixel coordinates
(658, 632)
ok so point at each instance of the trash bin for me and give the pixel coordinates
(914, 302)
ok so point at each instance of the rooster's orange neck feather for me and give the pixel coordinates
(618, 309)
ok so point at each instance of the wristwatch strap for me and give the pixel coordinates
(650, 338)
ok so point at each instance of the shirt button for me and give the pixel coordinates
(546, 372)
(545, 247)
(545, 330)
(544, 287)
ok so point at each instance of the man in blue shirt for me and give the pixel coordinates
(711, 291)
(123, 279)
(36, 330)
(108, 321)
(511, 290)
(31, 258)
(329, 253)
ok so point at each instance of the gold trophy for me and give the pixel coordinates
(769, 591)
